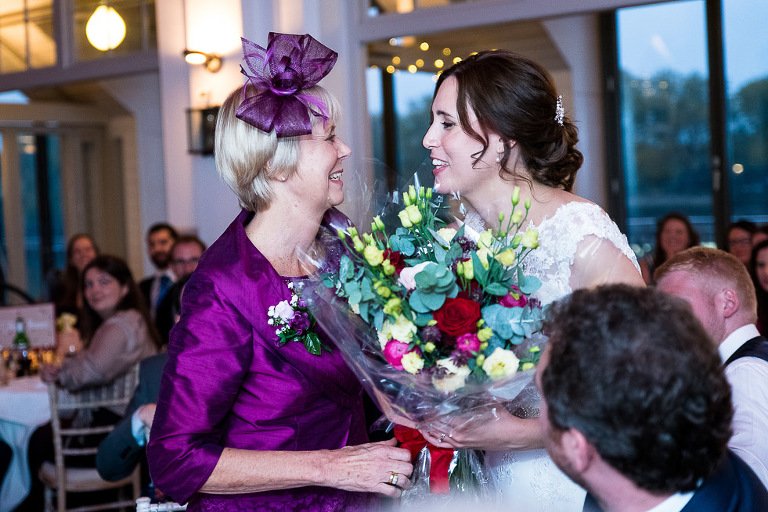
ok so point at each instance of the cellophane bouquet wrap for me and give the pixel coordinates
(439, 323)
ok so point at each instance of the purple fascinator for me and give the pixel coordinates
(290, 64)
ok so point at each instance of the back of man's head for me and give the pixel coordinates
(633, 371)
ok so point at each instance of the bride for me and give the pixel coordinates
(497, 122)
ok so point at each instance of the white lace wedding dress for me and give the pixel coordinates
(577, 234)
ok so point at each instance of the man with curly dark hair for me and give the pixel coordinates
(636, 407)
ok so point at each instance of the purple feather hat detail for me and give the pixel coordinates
(278, 75)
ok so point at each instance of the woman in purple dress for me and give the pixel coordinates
(243, 421)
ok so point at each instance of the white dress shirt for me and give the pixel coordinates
(748, 377)
(674, 503)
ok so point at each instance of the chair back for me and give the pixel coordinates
(77, 410)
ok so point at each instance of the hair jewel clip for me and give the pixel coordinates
(290, 64)
(559, 110)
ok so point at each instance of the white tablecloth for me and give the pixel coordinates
(23, 407)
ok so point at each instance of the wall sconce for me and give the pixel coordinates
(201, 128)
(105, 29)
(211, 61)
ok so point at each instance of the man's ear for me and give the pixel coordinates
(727, 302)
(577, 449)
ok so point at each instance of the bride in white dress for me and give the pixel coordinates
(497, 122)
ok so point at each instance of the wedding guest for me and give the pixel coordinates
(633, 433)
(160, 238)
(244, 422)
(722, 296)
(740, 239)
(498, 123)
(185, 255)
(117, 334)
(760, 235)
(65, 291)
(674, 233)
(758, 268)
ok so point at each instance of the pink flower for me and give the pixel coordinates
(468, 343)
(408, 275)
(514, 299)
(394, 352)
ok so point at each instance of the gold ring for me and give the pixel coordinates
(393, 478)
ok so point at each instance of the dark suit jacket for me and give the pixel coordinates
(733, 487)
(119, 453)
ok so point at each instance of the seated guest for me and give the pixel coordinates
(244, 422)
(185, 254)
(65, 292)
(722, 296)
(739, 239)
(674, 233)
(117, 334)
(636, 407)
(123, 448)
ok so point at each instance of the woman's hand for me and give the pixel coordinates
(68, 343)
(146, 414)
(375, 467)
(49, 373)
(504, 432)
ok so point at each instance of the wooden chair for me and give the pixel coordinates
(78, 407)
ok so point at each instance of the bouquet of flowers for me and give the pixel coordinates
(437, 320)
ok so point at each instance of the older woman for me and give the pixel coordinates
(256, 412)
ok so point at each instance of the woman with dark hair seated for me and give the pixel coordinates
(674, 233)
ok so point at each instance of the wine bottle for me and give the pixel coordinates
(21, 347)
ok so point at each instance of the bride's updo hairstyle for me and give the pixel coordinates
(248, 158)
(515, 98)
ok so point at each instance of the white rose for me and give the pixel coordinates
(408, 275)
(500, 364)
(284, 311)
(455, 377)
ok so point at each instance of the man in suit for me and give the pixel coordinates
(636, 408)
(722, 295)
(185, 254)
(124, 447)
(160, 239)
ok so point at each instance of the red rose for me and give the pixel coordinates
(458, 316)
(395, 258)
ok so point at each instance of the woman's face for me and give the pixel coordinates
(103, 292)
(761, 268)
(319, 167)
(451, 149)
(674, 237)
(83, 252)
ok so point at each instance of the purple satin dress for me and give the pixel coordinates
(229, 384)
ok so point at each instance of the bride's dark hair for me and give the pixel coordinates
(516, 98)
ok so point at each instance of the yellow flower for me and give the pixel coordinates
(465, 269)
(373, 255)
(483, 253)
(393, 307)
(454, 379)
(383, 290)
(484, 334)
(401, 329)
(530, 239)
(429, 347)
(446, 234)
(389, 270)
(515, 195)
(378, 223)
(500, 364)
(480, 360)
(507, 257)
(485, 239)
(404, 219)
(517, 217)
(359, 245)
(412, 362)
(526, 366)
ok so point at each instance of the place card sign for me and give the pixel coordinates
(38, 319)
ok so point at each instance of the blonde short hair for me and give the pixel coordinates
(248, 158)
(713, 268)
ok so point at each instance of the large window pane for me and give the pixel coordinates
(664, 116)
(26, 35)
(746, 76)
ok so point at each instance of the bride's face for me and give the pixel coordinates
(451, 148)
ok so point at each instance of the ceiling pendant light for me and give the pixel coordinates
(105, 29)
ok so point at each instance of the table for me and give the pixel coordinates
(23, 407)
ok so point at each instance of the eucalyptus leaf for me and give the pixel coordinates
(527, 284)
(481, 274)
(496, 289)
